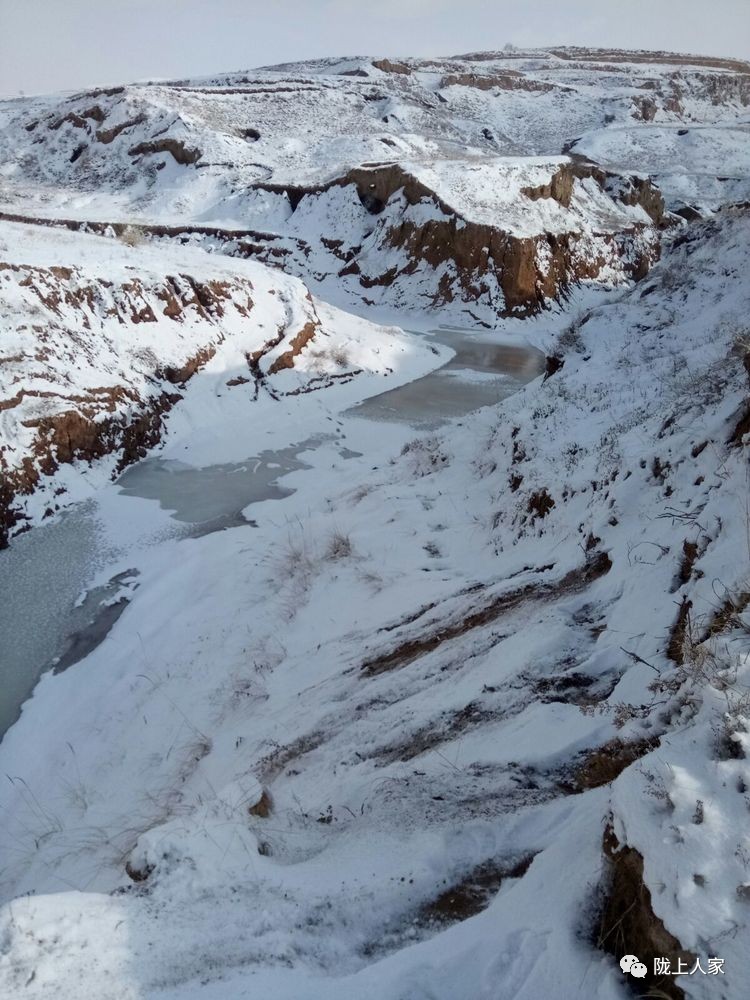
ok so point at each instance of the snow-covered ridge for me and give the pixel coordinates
(301, 126)
(260, 150)
(497, 236)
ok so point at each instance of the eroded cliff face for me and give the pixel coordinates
(507, 80)
(128, 427)
(474, 261)
(98, 351)
(88, 385)
(387, 236)
(628, 924)
(398, 235)
(670, 94)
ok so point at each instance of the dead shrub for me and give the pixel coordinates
(424, 456)
(571, 340)
(340, 356)
(540, 504)
(132, 235)
(321, 360)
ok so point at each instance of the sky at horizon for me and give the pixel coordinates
(49, 45)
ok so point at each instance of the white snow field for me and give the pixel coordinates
(321, 680)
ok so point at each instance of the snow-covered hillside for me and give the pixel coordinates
(465, 716)
(359, 171)
(101, 340)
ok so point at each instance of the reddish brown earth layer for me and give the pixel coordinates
(96, 421)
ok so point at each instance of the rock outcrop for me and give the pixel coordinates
(507, 80)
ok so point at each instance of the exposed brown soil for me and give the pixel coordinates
(254, 89)
(741, 428)
(559, 187)
(573, 688)
(417, 646)
(280, 758)
(644, 109)
(107, 135)
(263, 807)
(540, 504)
(138, 874)
(183, 154)
(552, 364)
(640, 191)
(507, 80)
(387, 66)
(253, 363)
(643, 56)
(448, 727)
(178, 376)
(99, 92)
(107, 419)
(472, 894)
(297, 344)
(689, 556)
(628, 924)
(77, 121)
(714, 88)
(71, 435)
(477, 251)
(143, 432)
(594, 768)
(467, 897)
(150, 230)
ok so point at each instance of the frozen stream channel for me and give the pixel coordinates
(48, 617)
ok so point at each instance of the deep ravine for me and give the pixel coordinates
(408, 658)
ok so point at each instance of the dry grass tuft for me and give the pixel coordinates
(339, 547)
(133, 236)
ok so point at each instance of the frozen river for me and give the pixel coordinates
(50, 614)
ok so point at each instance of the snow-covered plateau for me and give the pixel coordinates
(375, 532)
